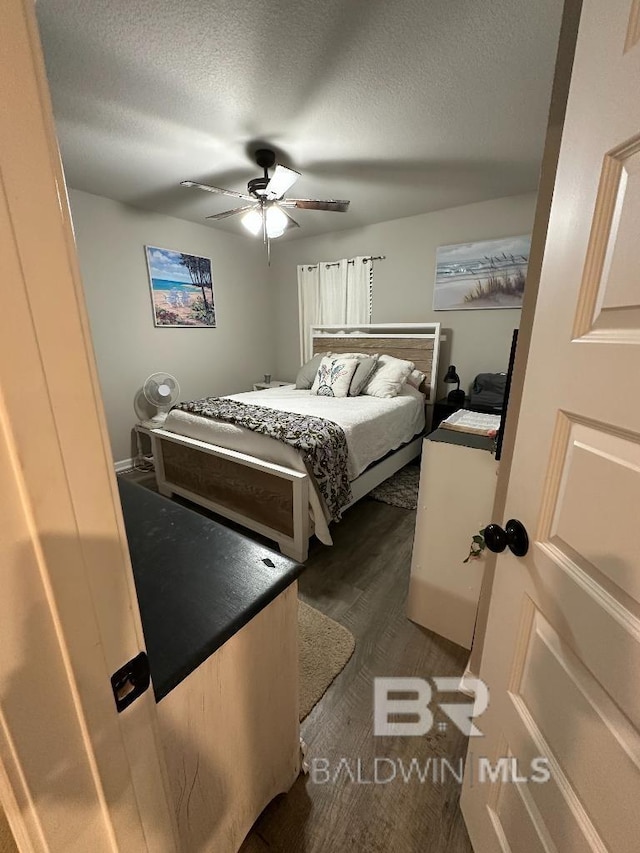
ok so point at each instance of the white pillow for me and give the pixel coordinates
(334, 376)
(416, 378)
(391, 358)
(388, 377)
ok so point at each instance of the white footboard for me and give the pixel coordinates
(270, 499)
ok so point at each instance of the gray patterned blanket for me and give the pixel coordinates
(322, 443)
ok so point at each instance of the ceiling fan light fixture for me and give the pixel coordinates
(252, 221)
(276, 222)
(267, 211)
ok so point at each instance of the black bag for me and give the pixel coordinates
(488, 390)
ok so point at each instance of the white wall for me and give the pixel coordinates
(257, 306)
(111, 238)
(478, 341)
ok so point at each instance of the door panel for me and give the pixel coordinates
(566, 825)
(562, 650)
(586, 529)
(597, 735)
(75, 775)
(609, 304)
(517, 818)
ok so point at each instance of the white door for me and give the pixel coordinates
(562, 652)
(74, 774)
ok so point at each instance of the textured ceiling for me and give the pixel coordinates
(402, 106)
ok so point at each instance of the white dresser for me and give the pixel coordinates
(457, 487)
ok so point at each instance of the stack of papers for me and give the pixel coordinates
(473, 422)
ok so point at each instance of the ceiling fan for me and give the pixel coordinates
(267, 211)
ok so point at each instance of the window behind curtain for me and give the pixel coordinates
(333, 293)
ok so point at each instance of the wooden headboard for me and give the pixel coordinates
(416, 342)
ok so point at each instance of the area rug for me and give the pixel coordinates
(401, 489)
(325, 648)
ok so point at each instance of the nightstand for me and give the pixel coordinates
(455, 501)
(264, 386)
(442, 408)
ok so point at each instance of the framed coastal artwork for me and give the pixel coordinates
(486, 274)
(181, 289)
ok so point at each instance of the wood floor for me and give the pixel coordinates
(362, 582)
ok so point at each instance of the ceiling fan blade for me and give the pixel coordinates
(290, 218)
(233, 212)
(337, 205)
(281, 181)
(217, 190)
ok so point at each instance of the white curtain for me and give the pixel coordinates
(308, 306)
(333, 293)
(359, 291)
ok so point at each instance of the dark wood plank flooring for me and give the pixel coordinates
(362, 583)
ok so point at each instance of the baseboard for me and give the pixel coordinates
(123, 465)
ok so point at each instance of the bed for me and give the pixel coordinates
(262, 483)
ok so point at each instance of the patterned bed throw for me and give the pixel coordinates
(322, 443)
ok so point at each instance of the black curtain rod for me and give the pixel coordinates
(352, 261)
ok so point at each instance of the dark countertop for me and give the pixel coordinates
(198, 582)
(466, 439)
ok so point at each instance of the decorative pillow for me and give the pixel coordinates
(363, 372)
(416, 378)
(334, 376)
(307, 373)
(366, 366)
(388, 377)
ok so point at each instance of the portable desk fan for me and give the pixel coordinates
(161, 390)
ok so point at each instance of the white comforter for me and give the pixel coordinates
(373, 426)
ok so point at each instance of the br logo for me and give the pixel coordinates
(412, 698)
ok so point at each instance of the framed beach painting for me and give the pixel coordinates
(486, 274)
(181, 289)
